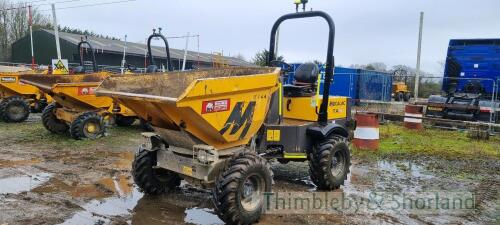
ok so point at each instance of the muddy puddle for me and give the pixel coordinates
(178, 207)
(22, 183)
(105, 210)
(115, 200)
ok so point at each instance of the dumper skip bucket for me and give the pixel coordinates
(72, 91)
(222, 108)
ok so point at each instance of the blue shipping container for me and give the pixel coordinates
(356, 83)
(345, 83)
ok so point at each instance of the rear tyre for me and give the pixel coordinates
(88, 125)
(150, 179)
(239, 190)
(124, 121)
(407, 96)
(39, 106)
(398, 97)
(329, 163)
(50, 121)
(14, 109)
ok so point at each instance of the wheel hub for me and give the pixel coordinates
(16, 111)
(248, 189)
(91, 128)
(338, 164)
(251, 195)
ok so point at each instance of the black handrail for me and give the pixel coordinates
(167, 48)
(80, 44)
(323, 109)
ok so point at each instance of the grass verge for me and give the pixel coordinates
(34, 134)
(399, 142)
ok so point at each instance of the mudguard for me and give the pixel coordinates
(337, 127)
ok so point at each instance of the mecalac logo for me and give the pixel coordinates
(239, 119)
(8, 80)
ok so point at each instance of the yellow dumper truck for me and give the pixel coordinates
(18, 99)
(400, 92)
(76, 108)
(219, 127)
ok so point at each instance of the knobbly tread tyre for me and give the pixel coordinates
(229, 182)
(144, 175)
(124, 121)
(407, 97)
(399, 97)
(4, 105)
(39, 106)
(77, 126)
(320, 162)
(50, 121)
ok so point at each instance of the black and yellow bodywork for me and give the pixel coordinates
(218, 127)
(305, 115)
(299, 114)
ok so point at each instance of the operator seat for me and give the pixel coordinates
(305, 84)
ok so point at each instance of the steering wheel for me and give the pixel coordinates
(283, 65)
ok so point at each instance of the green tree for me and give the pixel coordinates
(260, 58)
(370, 67)
(14, 24)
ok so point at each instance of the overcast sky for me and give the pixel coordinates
(367, 30)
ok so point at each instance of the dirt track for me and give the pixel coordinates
(50, 179)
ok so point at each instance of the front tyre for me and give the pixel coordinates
(51, 122)
(14, 109)
(329, 162)
(239, 190)
(407, 96)
(88, 125)
(39, 106)
(152, 180)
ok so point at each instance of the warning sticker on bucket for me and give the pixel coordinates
(215, 106)
(86, 90)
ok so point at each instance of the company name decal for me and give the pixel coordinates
(215, 106)
(86, 90)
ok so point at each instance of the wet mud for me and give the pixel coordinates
(93, 185)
